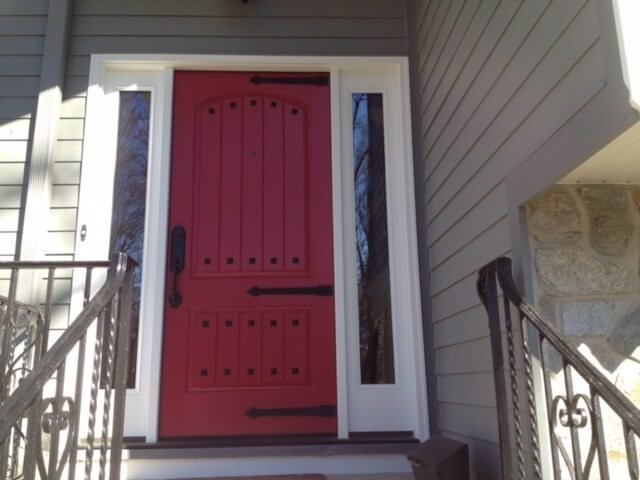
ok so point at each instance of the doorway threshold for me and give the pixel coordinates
(369, 443)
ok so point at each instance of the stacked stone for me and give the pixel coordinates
(585, 244)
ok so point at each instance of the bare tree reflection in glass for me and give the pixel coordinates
(129, 197)
(372, 256)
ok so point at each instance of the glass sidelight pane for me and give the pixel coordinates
(372, 254)
(129, 198)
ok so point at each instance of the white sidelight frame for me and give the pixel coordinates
(361, 408)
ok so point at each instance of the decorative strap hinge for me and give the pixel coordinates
(317, 80)
(318, 290)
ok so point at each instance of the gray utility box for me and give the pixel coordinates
(440, 458)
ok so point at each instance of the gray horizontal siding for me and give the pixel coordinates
(218, 27)
(22, 30)
(229, 8)
(497, 83)
(307, 27)
(86, 45)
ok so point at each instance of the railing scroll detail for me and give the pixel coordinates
(577, 443)
(41, 388)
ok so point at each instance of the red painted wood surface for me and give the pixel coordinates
(251, 184)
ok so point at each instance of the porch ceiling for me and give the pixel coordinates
(617, 163)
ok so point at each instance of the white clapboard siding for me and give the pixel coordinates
(62, 219)
(22, 29)
(499, 82)
(8, 220)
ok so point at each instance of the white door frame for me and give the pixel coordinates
(402, 406)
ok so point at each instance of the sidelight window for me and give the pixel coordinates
(371, 238)
(129, 198)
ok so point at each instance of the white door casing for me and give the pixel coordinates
(398, 407)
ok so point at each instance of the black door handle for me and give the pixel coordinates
(319, 290)
(177, 262)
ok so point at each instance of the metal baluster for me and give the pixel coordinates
(57, 404)
(121, 374)
(5, 360)
(56, 407)
(73, 457)
(106, 411)
(7, 337)
(33, 427)
(575, 440)
(599, 433)
(549, 396)
(17, 434)
(531, 402)
(93, 402)
(515, 396)
(632, 454)
(3, 334)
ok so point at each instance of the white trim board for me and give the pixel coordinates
(360, 407)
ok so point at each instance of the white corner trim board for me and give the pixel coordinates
(398, 407)
(627, 17)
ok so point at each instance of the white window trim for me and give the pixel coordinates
(389, 75)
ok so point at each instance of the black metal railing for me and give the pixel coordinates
(573, 417)
(44, 425)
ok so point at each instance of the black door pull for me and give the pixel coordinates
(177, 262)
(319, 290)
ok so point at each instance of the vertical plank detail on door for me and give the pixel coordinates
(296, 347)
(202, 362)
(295, 159)
(226, 349)
(231, 187)
(207, 164)
(273, 185)
(250, 363)
(252, 185)
(273, 348)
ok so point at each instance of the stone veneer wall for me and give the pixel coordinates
(585, 242)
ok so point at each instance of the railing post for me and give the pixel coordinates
(487, 290)
(539, 398)
(5, 360)
(123, 322)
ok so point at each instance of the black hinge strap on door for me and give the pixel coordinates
(319, 290)
(318, 80)
(317, 411)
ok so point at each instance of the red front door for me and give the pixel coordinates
(249, 335)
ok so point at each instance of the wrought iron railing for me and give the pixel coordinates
(572, 414)
(41, 388)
